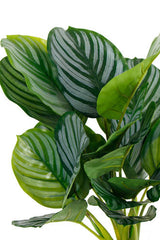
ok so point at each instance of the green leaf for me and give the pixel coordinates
(29, 56)
(153, 194)
(86, 61)
(133, 164)
(15, 88)
(155, 46)
(113, 202)
(74, 212)
(118, 93)
(71, 140)
(38, 168)
(112, 143)
(129, 188)
(95, 140)
(151, 150)
(121, 219)
(112, 161)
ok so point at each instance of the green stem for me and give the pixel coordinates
(91, 231)
(104, 232)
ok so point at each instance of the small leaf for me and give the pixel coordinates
(86, 61)
(112, 161)
(95, 140)
(118, 93)
(113, 202)
(74, 212)
(112, 143)
(15, 88)
(121, 219)
(29, 56)
(129, 188)
(151, 151)
(155, 46)
(71, 140)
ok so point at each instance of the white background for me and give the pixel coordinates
(131, 26)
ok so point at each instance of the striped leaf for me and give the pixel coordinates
(38, 168)
(15, 88)
(71, 140)
(73, 212)
(86, 61)
(29, 56)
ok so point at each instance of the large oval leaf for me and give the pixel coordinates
(15, 88)
(29, 56)
(71, 140)
(151, 149)
(86, 61)
(38, 168)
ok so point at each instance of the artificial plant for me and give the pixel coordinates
(75, 75)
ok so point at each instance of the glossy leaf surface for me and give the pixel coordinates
(112, 161)
(86, 61)
(129, 188)
(121, 219)
(73, 212)
(113, 202)
(29, 56)
(71, 140)
(118, 93)
(151, 149)
(15, 88)
(38, 168)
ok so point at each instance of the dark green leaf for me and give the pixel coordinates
(112, 161)
(74, 212)
(86, 61)
(112, 143)
(121, 219)
(117, 94)
(15, 88)
(95, 140)
(113, 202)
(38, 168)
(151, 149)
(71, 140)
(153, 194)
(29, 56)
(129, 188)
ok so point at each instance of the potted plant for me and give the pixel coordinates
(75, 75)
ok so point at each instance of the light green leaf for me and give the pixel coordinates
(15, 88)
(151, 150)
(121, 219)
(74, 212)
(71, 140)
(118, 93)
(129, 188)
(38, 169)
(112, 161)
(155, 46)
(86, 61)
(29, 56)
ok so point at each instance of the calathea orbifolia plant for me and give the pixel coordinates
(75, 75)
